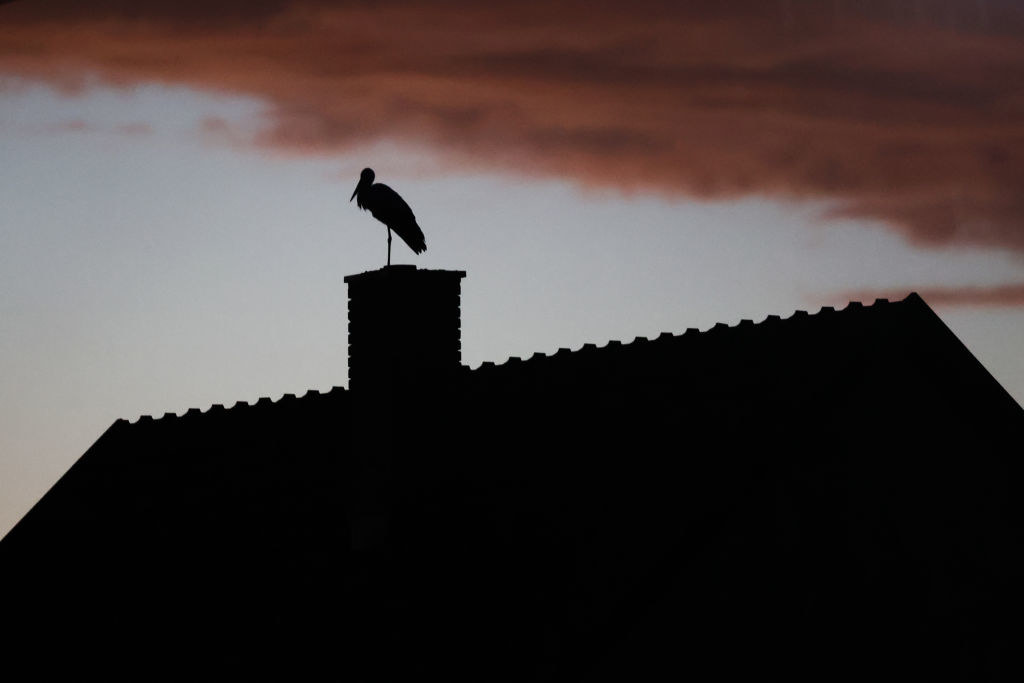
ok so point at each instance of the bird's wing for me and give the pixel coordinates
(386, 205)
(390, 209)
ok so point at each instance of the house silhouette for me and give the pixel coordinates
(824, 497)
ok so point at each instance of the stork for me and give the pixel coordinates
(390, 209)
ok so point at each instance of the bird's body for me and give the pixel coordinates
(390, 209)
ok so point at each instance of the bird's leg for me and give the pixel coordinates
(389, 246)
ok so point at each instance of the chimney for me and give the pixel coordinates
(404, 327)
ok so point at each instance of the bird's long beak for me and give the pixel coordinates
(356, 191)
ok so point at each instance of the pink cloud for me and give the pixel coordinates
(909, 113)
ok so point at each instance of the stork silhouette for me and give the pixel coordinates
(390, 209)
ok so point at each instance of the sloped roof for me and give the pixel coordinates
(864, 346)
(647, 358)
(769, 488)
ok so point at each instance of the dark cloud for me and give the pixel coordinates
(180, 12)
(910, 113)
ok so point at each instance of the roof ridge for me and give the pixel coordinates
(744, 323)
(586, 350)
(240, 405)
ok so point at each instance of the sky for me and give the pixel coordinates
(175, 177)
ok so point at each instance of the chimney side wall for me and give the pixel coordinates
(404, 327)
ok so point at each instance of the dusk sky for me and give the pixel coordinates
(175, 176)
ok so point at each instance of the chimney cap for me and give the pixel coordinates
(402, 271)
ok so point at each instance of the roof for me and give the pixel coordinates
(875, 326)
(640, 507)
(776, 355)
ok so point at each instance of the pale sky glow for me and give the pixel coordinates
(149, 264)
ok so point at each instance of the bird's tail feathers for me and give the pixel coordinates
(416, 241)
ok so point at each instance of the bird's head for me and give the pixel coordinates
(365, 180)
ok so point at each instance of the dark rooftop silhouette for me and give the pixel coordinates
(822, 497)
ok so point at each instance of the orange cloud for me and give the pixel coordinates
(911, 113)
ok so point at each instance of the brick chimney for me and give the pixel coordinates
(404, 327)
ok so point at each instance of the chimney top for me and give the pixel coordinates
(405, 270)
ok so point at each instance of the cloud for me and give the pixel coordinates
(134, 129)
(909, 113)
(137, 128)
(72, 126)
(1011, 295)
